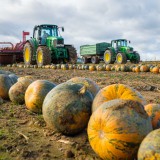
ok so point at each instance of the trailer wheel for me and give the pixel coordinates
(121, 58)
(108, 57)
(84, 60)
(95, 60)
(28, 54)
(72, 53)
(43, 56)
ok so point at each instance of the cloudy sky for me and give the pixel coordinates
(87, 21)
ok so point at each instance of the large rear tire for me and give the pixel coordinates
(28, 54)
(137, 58)
(108, 57)
(43, 56)
(72, 53)
(121, 58)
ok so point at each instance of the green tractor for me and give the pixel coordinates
(47, 46)
(120, 52)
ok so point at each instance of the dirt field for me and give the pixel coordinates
(24, 135)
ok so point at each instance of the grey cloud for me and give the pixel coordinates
(88, 21)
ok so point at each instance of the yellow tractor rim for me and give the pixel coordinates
(119, 58)
(27, 55)
(40, 56)
(107, 57)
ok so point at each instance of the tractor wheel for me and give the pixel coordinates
(121, 58)
(108, 57)
(137, 60)
(28, 54)
(43, 56)
(72, 54)
(95, 60)
(137, 57)
(84, 60)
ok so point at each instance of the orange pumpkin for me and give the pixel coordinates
(144, 68)
(116, 129)
(155, 69)
(91, 85)
(150, 146)
(92, 68)
(137, 69)
(64, 67)
(108, 67)
(100, 68)
(25, 77)
(36, 93)
(116, 91)
(17, 91)
(153, 111)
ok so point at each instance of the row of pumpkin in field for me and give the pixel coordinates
(119, 123)
(100, 67)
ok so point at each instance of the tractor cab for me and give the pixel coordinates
(43, 32)
(117, 44)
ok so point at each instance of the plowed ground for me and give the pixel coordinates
(24, 135)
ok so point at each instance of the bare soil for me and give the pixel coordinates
(24, 135)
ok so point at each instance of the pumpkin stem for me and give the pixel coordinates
(82, 90)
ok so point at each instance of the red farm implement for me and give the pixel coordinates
(10, 53)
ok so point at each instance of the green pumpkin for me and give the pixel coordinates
(5, 84)
(67, 108)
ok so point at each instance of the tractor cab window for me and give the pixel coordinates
(36, 35)
(49, 31)
(124, 43)
(118, 43)
(114, 44)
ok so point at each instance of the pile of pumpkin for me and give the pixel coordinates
(119, 123)
(100, 67)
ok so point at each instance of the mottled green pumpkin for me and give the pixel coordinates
(150, 146)
(116, 91)
(13, 77)
(116, 129)
(17, 91)
(5, 84)
(90, 84)
(67, 108)
(35, 94)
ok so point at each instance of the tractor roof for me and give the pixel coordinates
(45, 25)
(120, 40)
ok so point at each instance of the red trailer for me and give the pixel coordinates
(10, 53)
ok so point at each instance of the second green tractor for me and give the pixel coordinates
(120, 52)
(117, 51)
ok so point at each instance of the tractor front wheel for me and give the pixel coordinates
(28, 54)
(43, 56)
(108, 57)
(121, 58)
